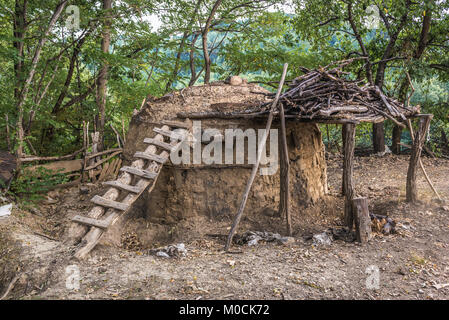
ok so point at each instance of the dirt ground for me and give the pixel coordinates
(413, 263)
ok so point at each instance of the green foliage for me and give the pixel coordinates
(29, 186)
(250, 38)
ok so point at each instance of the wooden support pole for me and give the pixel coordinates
(418, 142)
(343, 185)
(284, 205)
(348, 168)
(256, 165)
(420, 160)
(362, 219)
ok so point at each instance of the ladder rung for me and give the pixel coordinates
(91, 222)
(158, 143)
(139, 172)
(170, 134)
(149, 156)
(123, 186)
(176, 124)
(109, 203)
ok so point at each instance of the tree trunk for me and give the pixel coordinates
(102, 80)
(207, 61)
(181, 47)
(419, 139)
(193, 74)
(19, 35)
(378, 137)
(26, 86)
(423, 41)
(396, 140)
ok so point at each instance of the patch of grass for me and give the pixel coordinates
(418, 260)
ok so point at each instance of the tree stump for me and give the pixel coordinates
(362, 219)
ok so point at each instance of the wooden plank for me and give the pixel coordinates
(111, 169)
(362, 219)
(170, 134)
(57, 167)
(109, 203)
(92, 155)
(103, 171)
(150, 156)
(91, 222)
(177, 124)
(122, 186)
(158, 143)
(139, 172)
(117, 169)
(96, 164)
(57, 158)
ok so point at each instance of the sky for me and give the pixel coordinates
(156, 22)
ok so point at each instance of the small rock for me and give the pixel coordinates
(102, 270)
(287, 241)
(445, 208)
(235, 81)
(5, 210)
(253, 242)
(322, 239)
(231, 262)
(162, 254)
(83, 190)
(53, 194)
(49, 200)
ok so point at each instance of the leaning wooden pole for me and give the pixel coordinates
(284, 204)
(415, 158)
(256, 165)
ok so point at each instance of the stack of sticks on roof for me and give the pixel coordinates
(327, 94)
(323, 94)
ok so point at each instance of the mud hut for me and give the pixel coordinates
(168, 192)
(214, 189)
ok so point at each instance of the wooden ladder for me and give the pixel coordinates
(144, 172)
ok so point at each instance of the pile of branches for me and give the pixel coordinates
(329, 94)
(326, 94)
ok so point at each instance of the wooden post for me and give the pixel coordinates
(343, 184)
(95, 142)
(8, 141)
(348, 167)
(284, 204)
(238, 216)
(123, 131)
(362, 219)
(418, 142)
